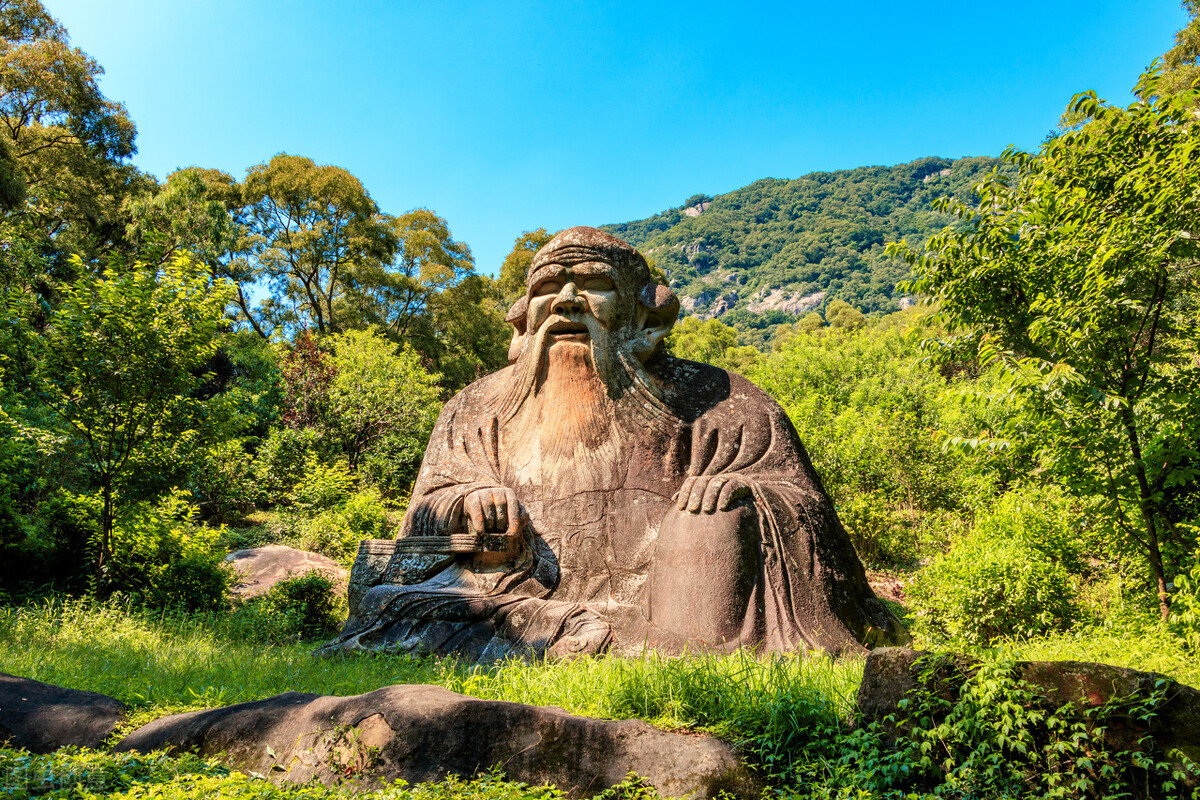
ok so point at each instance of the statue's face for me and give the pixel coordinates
(577, 302)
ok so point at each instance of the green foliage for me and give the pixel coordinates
(991, 735)
(1078, 283)
(71, 773)
(840, 314)
(337, 530)
(88, 775)
(282, 460)
(429, 297)
(1184, 620)
(515, 269)
(359, 397)
(160, 556)
(381, 392)
(1014, 575)
(873, 418)
(223, 482)
(305, 608)
(1180, 67)
(823, 232)
(312, 229)
(323, 486)
(63, 138)
(117, 364)
(701, 340)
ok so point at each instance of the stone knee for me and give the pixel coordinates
(703, 573)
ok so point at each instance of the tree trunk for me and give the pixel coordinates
(106, 528)
(1149, 518)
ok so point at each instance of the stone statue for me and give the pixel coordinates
(601, 494)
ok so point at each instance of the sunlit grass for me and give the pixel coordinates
(1146, 647)
(163, 663)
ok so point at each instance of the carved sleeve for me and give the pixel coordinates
(461, 457)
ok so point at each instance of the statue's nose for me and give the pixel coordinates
(567, 299)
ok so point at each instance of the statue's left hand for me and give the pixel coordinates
(709, 493)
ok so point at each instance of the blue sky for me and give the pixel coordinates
(503, 117)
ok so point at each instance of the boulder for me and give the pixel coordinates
(260, 568)
(42, 718)
(892, 672)
(425, 733)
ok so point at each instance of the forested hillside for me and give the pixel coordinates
(791, 246)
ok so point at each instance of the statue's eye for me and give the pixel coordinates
(598, 283)
(552, 286)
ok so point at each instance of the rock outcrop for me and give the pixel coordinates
(42, 718)
(892, 673)
(260, 568)
(424, 733)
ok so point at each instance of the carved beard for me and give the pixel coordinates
(563, 435)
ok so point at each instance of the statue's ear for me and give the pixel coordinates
(658, 308)
(516, 317)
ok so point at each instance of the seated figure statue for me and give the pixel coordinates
(599, 494)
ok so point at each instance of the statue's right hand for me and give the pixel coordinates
(493, 510)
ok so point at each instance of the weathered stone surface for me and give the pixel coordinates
(42, 718)
(260, 568)
(424, 733)
(645, 500)
(892, 672)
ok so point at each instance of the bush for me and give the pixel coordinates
(224, 483)
(302, 608)
(336, 531)
(1014, 575)
(161, 557)
(875, 529)
(323, 486)
(53, 553)
(282, 462)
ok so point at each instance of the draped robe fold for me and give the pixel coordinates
(580, 584)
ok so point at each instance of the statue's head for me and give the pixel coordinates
(585, 286)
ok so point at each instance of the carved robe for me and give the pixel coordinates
(599, 536)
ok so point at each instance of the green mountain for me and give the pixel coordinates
(777, 249)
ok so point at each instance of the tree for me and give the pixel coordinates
(707, 341)
(313, 229)
(121, 353)
(515, 268)
(192, 211)
(1181, 64)
(1080, 283)
(840, 314)
(65, 144)
(427, 260)
(812, 321)
(430, 297)
(379, 390)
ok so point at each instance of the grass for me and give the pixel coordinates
(162, 663)
(1147, 646)
(87, 775)
(788, 711)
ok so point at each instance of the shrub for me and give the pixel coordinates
(281, 463)
(159, 556)
(301, 608)
(323, 486)
(1184, 621)
(53, 553)
(224, 483)
(874, 529)
(336, 531)
(1014, 575)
